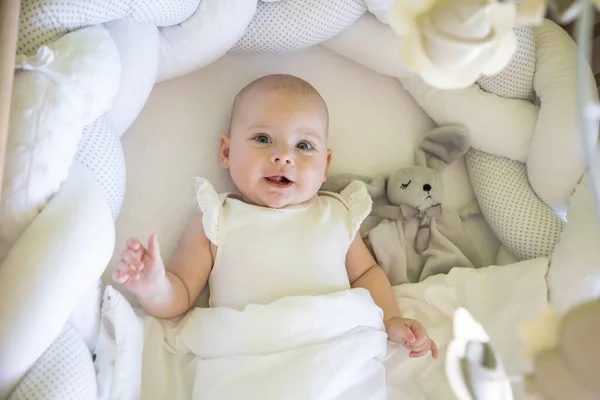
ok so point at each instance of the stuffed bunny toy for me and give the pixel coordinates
(411, 235)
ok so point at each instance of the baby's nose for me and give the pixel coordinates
(283, 158)
(427, 187)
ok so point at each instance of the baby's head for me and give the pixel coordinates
(276, 148)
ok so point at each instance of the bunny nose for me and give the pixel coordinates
(427, 187)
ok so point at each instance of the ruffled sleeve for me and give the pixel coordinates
(359, 203)
(209, 204)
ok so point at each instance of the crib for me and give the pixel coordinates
(116, 108)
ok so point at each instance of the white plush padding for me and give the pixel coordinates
(52, 101)
(574, 275)
(555, 162)
(101, 153)
(355, 43)
(292, 25)
(137, 43)
(66, 360)
(52, 264)
(528, 227)
(208, 34)
(43, 21)
(497, 126)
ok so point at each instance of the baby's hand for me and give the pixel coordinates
(140, 269)
(412, 335)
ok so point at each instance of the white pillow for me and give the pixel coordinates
(58, 91)
(555, 162)
(138, 50)
(293, 25)
(50, 268)
(208, 34)
(65, 371)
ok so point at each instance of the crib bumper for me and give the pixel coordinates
(574, 275)
(55, 261)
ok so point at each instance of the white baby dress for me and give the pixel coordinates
(264, 254)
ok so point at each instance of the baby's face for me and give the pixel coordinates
(277, 150)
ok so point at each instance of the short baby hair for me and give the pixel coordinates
(277, 82)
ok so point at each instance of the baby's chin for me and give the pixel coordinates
(278, 201)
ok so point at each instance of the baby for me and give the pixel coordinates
(281, 236)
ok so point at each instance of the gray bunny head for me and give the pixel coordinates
(418, 187)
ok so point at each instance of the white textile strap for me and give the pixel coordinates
(40, 61)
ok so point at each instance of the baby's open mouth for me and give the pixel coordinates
(279, 181)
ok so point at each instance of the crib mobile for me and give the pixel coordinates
(473, 369)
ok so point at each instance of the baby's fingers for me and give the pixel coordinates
(120, 277)
(126, 271)
(134, 244)
(131, 258)
(434, 350)
(417, 354)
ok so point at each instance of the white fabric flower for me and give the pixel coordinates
(452, 43)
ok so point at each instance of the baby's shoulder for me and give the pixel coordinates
(356, 200)
(352, 196)
(210, 204)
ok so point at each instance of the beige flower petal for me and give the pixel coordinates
(454, 58)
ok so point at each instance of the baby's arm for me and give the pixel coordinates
(364, 272)
(171, 292)
(186, 274)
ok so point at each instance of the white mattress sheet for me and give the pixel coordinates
(374, 128)
(501, 298)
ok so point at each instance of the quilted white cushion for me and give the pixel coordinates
(293, 25)
(64, 372)
(356, 42)
(49, 269)
(66, 86)
(43, 21)
(208, 34)
(555, 163)
(138, 51)
(522, 222)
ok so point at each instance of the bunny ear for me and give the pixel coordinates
(375, 186)
(441, 146)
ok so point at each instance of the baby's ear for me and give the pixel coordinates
(224, 150)
(441, 146)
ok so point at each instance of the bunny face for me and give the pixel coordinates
(418, 187)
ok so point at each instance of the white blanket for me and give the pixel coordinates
(305, 347)
(501, 298)
(313, 347)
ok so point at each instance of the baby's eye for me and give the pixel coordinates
(304, 146)
(262, 139)
(405, 185)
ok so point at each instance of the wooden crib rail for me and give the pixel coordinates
(9, 30)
